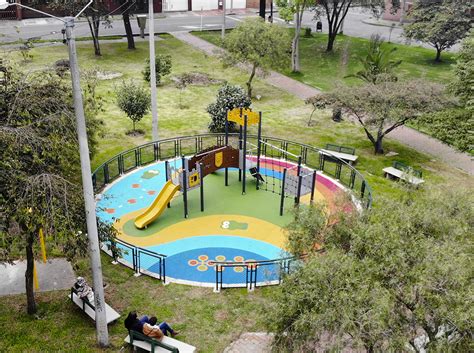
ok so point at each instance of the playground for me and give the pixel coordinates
(212, 217)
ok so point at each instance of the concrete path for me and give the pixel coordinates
(251, 342)
(55, 274)
(408, 136)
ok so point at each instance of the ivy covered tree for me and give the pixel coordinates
(133, 100)
(440, 23)
(228, 98)
(260, 45)
(40, 185)
(397, 278)
(463, 84)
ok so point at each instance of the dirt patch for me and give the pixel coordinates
(195, 78)
(106, 75)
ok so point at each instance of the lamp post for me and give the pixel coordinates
(151, 41)
(88, 190)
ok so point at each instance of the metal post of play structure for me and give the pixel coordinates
(227, 144)
(167, 165)
(282, 200)
(300, 179)
(313, 186)
(244, 159)
(185, 191)
(259, 136)
(240, 149)
(201, 175)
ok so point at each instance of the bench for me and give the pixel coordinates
(401, 171)
(110, 314)
(165, 345)
(347, 154)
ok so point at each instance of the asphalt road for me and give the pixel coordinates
(355, 24)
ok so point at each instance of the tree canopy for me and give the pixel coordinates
(400, 275)
(258, 44)
(440, 23)
(133, 100)
(381, 108)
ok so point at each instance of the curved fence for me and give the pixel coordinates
(144, 261)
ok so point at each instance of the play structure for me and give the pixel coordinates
(295, 180)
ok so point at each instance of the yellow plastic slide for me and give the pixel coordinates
(158, 206)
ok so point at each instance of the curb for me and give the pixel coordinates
(373, 22)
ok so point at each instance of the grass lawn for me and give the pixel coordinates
(206, 320)
(324, 70)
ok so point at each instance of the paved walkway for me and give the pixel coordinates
(408, 136)
(55, 274)
(251, 342)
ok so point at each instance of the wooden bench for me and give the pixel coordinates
(165, 345)
(341, 152)
(401, 171)
(89, 309)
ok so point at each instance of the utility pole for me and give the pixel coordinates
(223, 19)
(151, 37)
(88, 189)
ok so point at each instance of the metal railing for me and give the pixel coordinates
(170, 148)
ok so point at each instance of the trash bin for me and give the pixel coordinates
(319, 26)
(141, 19)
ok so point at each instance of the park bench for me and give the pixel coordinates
(347, 154)
(89, 309)
(401, 171)
(165, 345)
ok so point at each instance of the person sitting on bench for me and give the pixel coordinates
(147, 326)
(151, 329)
(84, 291)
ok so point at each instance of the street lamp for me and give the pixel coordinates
(100, 317)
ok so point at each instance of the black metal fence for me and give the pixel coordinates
(142, 155)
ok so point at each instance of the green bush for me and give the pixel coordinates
(228, 97)
(453, 126)
(162, 66)
(307, 32)
(134, 100)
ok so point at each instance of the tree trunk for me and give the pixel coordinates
(249, 82)
(128, 29)
(133, 122)
(295, 52)
(30, 263)
(438, 55)
(94, 25)
(378, 145)
(331, 40)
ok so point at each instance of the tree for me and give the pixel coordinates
(129, 6)
(294, 8)
(162, 66)
(228, 98)
(386, 280)
(440, 23)
(260, 45)
(39, 168)
(95, 14)
(382, 108)
(377, 64)
(463, 84)
(134, 100)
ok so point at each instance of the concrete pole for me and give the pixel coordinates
(223, 19)
(151, 37)
(94, 249)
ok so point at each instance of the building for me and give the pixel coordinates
(18, 13)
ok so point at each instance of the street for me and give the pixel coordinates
(355, 25)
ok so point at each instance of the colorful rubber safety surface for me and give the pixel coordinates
(233, 227)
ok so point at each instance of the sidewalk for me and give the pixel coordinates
(405, 135)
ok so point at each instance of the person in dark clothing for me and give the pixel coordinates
(133, 323)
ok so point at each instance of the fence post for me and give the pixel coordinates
(185, 191)
(282, 200)
(300, 179)
(138, 264)
(313, 186)
(201, 169)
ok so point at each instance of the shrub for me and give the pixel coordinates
(162, 66)
(307, 32)
(228, 97)
(134, 100)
